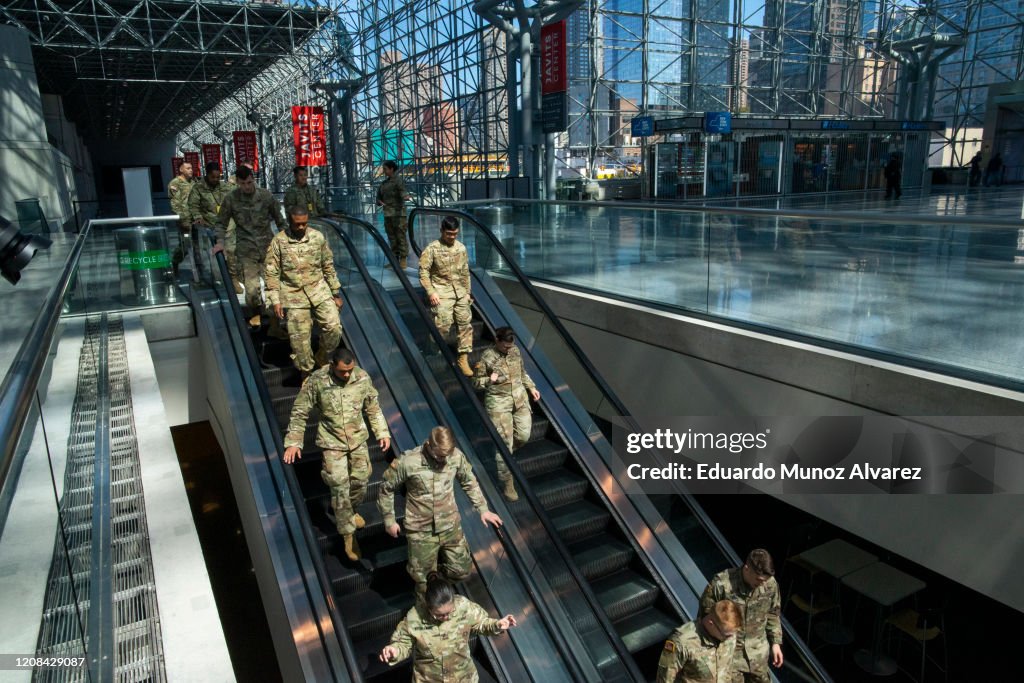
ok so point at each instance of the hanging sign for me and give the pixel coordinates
(553, 69)
(310, 136)
(245, 148)
(211, 154)
(193, 158)
(176, 162)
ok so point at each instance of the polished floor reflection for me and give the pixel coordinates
(947, 294)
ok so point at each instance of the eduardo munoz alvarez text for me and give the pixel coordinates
(664, 439)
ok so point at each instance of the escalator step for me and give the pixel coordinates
(579, 519)
(368, 615)
(559, 488)
(346, 579)
(624, 592)
(370, 664)
(601, 555)
(539, 457)
(540, 426)
(646, 628)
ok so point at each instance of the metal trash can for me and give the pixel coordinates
(144, 262)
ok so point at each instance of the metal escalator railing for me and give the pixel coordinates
(623, 663)
(336, 657)
(520, 565)
(610, 403)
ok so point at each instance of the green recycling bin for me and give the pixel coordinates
(144, 262)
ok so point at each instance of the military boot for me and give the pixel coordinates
(352, 547)
(464, 365)
(510, 491)
(358, 521)
(403, 263)
(255, 321)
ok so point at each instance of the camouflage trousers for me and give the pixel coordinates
(514, 425)
(300, 333)
(395, 228)
(445, 551)
(451, 308)
(346, 473)
(249, 263)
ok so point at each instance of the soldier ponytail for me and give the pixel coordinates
(439, 592)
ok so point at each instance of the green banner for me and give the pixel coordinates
(144, 260)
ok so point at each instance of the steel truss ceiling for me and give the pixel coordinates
(147, 68)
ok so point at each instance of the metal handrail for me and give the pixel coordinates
(790, 213)
(319, 568)
(620, 647)
(513, 551)
(709, 527)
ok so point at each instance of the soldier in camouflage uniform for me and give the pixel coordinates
(178, 191)
(508, 392)
(436, 634)
(391, 196)
(432, 520)
(342, 393)
(702, 651)
(301, 193)
(444, 274)
(252, 209)
(300, 279)
(754, 589)
(204, 202)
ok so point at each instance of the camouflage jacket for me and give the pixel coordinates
(299, 272)
(440, 649)
(429, 491)
(252, 214)
(306, 196)
(445, 270)
(391, 194)
(342, 407)
(510, 391)
(760, 607)
(178, 191)
(691, 655)
(204, 204)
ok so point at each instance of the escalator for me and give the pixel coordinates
(645, 589)
(370, 597)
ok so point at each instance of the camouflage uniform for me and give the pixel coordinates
(204, 204)
(444, 271)
(691, 655)
(432, 521)
(178, 191)
(341, 434)
(252, 214)
(761, 625)
(392, 195)
(300, 276)
(440, 649)
(307, 197)
(507, 400)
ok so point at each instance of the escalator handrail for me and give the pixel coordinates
(620, 647)
(323, 578)
(524, 281)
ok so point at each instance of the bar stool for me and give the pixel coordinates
(922, 627)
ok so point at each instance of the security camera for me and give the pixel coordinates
(16, 250)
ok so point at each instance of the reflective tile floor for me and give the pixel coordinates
(946, 295)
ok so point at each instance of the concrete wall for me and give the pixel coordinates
(63, 134)
(665, 364)
(32, 167)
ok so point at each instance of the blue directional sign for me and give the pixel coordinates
(717, 122)
(642, 126)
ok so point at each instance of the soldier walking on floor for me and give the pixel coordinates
(344, 394)
(178, 191)
(444, 274)
(252, 209)
(432, 521)
(759, 640)
(702, 651)
(391, 196)
(301, 281)
(508, 390)
(436, 635)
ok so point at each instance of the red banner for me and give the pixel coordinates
(193, 158)
(211, 153)
(175, 163)
(553, 71)
(310, 136)
(245, 148)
